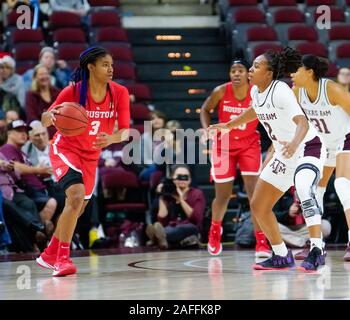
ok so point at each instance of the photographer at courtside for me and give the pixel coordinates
(180, 210)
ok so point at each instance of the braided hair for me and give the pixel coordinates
(82, 73)
(284, 62)
(317, 64)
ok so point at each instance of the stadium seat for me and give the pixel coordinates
(26, 56)
(109, 34)
(339, 32)
(261, 33)
(249, 15)
(286, 18)
(104, 18)
(343, 55)
(316, 48)
(62, 19)
(254, 34)
(119, 53)
(27, 35)
(289, 15)
(26, 52)
(124, 71)
(140, 91)
(70, 35)
(70, 53)
(123, 179)
(300, 33)
(139, 112)
(229, 7)
(243, 19)
(17, 36)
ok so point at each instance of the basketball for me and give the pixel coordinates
(72, 119)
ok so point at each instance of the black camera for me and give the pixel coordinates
(168, 190)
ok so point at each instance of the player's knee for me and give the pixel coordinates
(76, 199)
(254, 206)
(306, 179)
(342, 187)
(223, 197)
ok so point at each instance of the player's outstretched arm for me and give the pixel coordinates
(247, 116)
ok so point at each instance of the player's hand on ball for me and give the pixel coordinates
(48, 118)
(288, 149)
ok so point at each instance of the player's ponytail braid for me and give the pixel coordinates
(90, 55)
(285, 62)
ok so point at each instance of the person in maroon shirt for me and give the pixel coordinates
(180, 214)
(17, 136)
(41, 96)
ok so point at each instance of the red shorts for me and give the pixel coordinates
(246, 153)
(63, 159)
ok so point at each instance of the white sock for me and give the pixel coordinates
(320, 191)
(280, 249)
(316, 242)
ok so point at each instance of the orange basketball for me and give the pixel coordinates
(72, 119)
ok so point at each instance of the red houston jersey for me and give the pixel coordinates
(102, 117)
(229, 108)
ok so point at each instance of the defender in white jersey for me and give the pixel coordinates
(298, 156)
(327, 106)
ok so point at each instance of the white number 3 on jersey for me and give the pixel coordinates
(242, 126)
(95, 125)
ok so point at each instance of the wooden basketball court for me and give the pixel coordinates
(185, 275)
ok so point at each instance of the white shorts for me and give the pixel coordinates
(335, 148)
(280, 171)
(331, 157)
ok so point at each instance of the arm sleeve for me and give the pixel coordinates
(67, 94)
(123, 109)
(283, 98)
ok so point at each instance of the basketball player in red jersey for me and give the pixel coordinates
(240, 146)
(74, 159)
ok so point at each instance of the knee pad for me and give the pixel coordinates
(342, 187)
(306, 179)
